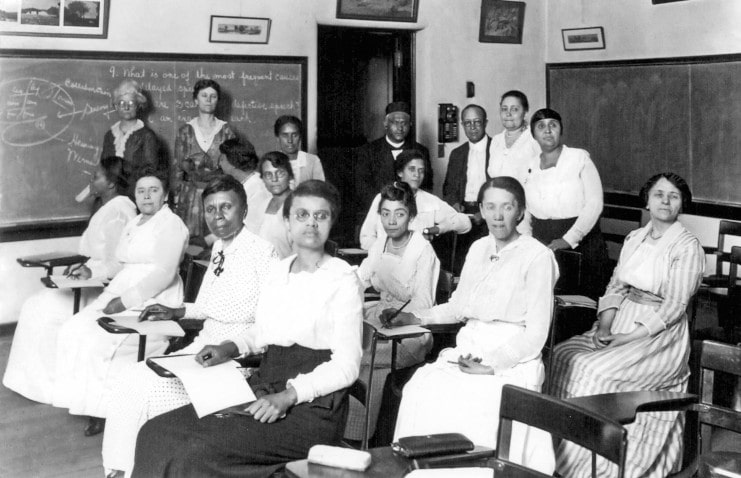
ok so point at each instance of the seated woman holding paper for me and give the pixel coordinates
(641, 338)
(505, 298)
(308, 324)
(35, 338)
(432, 211)
(403, 268)
(148, 254)
(226, 300)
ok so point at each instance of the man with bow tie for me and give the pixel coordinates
(375, 160)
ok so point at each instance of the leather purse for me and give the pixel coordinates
(429, 445)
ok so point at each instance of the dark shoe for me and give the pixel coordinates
(115, 474)
(94, 426)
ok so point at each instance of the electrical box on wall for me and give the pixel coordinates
(447, 123)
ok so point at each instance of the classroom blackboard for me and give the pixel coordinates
(639, 118)
(55, 107)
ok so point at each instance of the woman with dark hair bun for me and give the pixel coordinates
(197, 158)
(30, 369)
(641, 338)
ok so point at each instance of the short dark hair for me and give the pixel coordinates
(399, 191)
(319, 189)
(520, 96)
(676, 180)
(545, 113)
(468, 107)
(509, 184)
(115, 173)
(286, 119)
(240, 154)
(278, 160)
(158, 173)
(405, 157)
(206, 83)
(225, 183)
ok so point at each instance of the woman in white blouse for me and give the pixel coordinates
(512, 150)
(308, 324)
(432, 212)
(227, 299)
(148, 254)
(505, 298)
(564, 194)
(29, 371)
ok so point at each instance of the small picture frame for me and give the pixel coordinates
(239, 30)
(592, 38)
(659, 2)
(501, 21)
(55, 18)
(387, 10)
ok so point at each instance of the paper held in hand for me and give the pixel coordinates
(210, 389)
(64, 282)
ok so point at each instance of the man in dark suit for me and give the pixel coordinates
(468, 162)
(375, 160)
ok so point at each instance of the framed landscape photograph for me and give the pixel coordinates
(55, 18)
(592, 38)
(239, 30)
(379, 10)
(501, 21)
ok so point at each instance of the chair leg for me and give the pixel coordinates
(142, 348)
(369, 395)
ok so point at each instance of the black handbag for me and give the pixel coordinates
(429, 445)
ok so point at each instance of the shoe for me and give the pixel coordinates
(115, 474)
(94, 426)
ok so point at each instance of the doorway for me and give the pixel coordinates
(359, 71)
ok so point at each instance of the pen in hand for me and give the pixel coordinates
(71, 272)
(387, 322)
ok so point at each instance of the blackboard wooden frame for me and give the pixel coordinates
(67, 228)
(701, 208)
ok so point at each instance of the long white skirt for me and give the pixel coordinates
(88, 360)
(30, 369)
(440, 398)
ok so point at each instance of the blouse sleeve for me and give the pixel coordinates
(343, 367)
(682, 281)
(368, 234)
(425, 281)
(448, 219)
(593, 201)
(150, 150)
(108, 266)
(540, 277)
(616, 289)
(169, 245)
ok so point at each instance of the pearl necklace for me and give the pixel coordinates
(400, 246)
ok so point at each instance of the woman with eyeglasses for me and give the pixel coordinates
(197, 158)
(129, 138)
(512, 150)
(308, 325)
(226, 301)
(277, 177)
(433, 214)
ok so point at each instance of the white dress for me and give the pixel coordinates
(431, 211)
(89, 358)
(227, 302)
(30, 364)
(514, 161)
(306, 166)
(506, 300)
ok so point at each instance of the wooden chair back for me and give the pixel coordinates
(570, 272)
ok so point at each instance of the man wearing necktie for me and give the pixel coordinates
(375, 160)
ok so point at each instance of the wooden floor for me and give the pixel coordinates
(42, 441)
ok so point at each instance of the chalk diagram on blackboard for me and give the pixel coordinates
(27, 104)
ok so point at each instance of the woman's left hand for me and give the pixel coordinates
(273, 407)
(616, 340)
(114, 306)
(559, 243)
(473, 365)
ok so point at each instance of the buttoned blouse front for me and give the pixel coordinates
(514, 161)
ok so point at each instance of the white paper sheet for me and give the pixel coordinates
(210, 388)
(169, 328)
(64, 282)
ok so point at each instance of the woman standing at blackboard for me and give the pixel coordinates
(198, 159)
(129, 138)
(564, 194)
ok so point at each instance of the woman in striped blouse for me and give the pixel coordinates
(641, 338)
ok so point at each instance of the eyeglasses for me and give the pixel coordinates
(475, 123)
(302, 215)
(219, 261)
(125, 105)
(278, 174)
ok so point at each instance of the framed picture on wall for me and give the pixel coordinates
(55, 18)
(239, 30)
(501, 21)
(592, 38)
(387, 10)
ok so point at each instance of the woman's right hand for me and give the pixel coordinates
(81, 272)
(161, 312)
(600, 337)
(404, 318)
(215, 354)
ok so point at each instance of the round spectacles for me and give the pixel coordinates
(125, 105)
(278, 174)
(472, 124)
(302, 215)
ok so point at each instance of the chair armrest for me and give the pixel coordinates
(191, 325)
(710, 249)
(51, 260)
(479, 455)
(109, 325)
(623, 406)
(159, 369)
